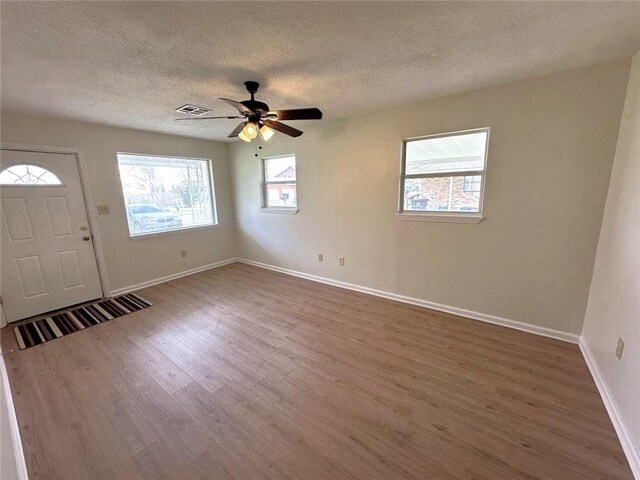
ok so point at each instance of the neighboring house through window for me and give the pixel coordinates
(444, 173)
(279, 182)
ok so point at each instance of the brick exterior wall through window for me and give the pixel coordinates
(443, 194)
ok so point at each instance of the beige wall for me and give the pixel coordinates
(130, 262)
(614, 302)
(552, 144)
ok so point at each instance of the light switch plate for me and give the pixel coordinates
(104, 210)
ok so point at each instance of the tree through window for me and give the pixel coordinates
(166, 193)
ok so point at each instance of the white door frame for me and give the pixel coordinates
(88, 200)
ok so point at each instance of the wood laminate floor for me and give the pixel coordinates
(242, 373)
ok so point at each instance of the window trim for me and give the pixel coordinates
(175, 231)
(462, 217)
(264, 205)
(442, 217)
(465, 183)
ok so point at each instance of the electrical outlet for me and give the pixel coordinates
(183, 253)
(341, 261)
(104, 210)
(320, 257)
(619, 349)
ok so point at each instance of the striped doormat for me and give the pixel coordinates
(40, 331)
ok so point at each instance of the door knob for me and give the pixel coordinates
(86, 238)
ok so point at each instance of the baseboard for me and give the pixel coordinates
(630, 449)
(483, 317)
(20, 465)
(173, 276)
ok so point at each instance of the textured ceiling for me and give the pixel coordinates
(131, 64)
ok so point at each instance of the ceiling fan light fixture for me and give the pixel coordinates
(250, 131)
(266, 132)
(243, 137)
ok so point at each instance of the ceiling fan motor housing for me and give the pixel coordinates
(256, 106)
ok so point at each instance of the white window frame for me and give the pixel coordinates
(455, 217)
(176, 231)
(264, 185)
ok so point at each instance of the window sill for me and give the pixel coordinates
(143, 236)
(280, 211)
(441, 217)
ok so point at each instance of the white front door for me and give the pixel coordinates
(48, 258)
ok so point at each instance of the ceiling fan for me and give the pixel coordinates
(258, 118)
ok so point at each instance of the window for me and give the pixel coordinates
(279, 182)
(472, 183)
(164, 193)
(28, 175)
(444, 173)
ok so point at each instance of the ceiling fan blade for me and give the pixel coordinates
(298, 114)
(282, 128)
(205, 118)
(237, 130)
(238, 106)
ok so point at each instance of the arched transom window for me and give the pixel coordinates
(26, 175)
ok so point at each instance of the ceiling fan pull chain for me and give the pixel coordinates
(258, 145)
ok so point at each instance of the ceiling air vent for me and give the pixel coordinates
(193, 110)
